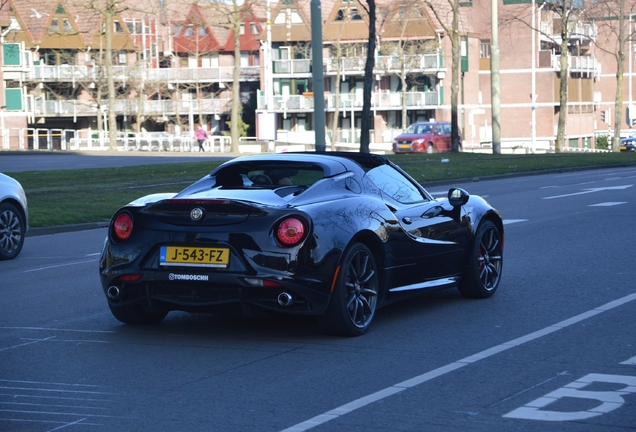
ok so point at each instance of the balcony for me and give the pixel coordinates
(355, 65)
(167, 107)
(578, 31)
(379, 100)
(292, 67)
(89, 73)
(410, 63)
(578, 64)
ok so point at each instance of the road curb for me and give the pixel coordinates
(33, 232)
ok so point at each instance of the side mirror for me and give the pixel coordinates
(457, 197)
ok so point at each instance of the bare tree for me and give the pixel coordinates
(442, 15)
(404, 52)
(613, 18)
(365, 124)
(566, 14)
(231, 16)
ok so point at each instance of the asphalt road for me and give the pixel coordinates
(553, 350)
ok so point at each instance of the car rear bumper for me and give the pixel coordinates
(199, 294)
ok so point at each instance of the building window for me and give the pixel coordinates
(117, 27)
(54, 27)
(253, 28)
(484, 49)
(68, 28)
(295, 17)
(242, 29)
(189, 31)
(176, 29)
(348, 13)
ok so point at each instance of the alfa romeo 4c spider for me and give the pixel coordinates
(331, 235)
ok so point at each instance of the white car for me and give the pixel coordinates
(14, 217)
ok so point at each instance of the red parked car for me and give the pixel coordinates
(429, 137)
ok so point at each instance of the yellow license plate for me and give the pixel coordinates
(405, 146)
(194, 256)
(623, 148)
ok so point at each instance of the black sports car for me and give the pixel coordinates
(335, 235)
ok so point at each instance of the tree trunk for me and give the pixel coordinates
(112, 119)
(456, 61)
(563, 89)
(236, 96)
(403, 81)
(336, 114)
(620, 70)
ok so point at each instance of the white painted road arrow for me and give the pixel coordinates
(592, 190)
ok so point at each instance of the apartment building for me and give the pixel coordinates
(173, 67)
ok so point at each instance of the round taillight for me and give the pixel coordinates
(122, 226)
(290, 231)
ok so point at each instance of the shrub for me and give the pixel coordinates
(602, 142)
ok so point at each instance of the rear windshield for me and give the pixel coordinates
(418, 129)
(270, 176)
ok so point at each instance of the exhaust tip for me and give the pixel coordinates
(113, 292)
(285, 299)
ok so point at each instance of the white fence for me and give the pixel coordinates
(79, 140)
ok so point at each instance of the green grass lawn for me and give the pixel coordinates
(92, 195)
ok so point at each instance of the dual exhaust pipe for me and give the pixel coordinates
(113, 292)
(285, 299)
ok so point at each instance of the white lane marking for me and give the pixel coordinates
(27, 343)
(590, 190)
(511, 221)
(396, 388)
(631, 361)
(57, 266)
(608, 204)
(56, 329)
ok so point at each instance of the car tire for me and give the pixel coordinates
(355, 295)
(12, 231)
(485, 264)
(138, 314)
(430, 149)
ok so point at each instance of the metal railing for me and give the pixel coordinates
(577, 64)
(348, 101)
(411, 63)
(92, 73)
(165, 107)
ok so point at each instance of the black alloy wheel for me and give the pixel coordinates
(486, 263)
(12, 231)
(355, 295)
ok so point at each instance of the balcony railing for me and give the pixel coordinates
(411, 63)
(576, 30)
(90, 73)
(65, 108)
(348, 101)
(292, 66)
(577, 64)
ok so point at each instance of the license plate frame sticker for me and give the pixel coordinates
(189, 256)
